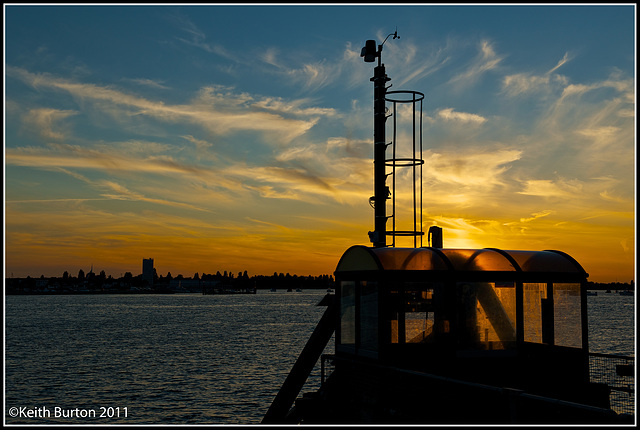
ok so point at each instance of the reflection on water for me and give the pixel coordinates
(166, 358)
(185, 359)
(611, 323)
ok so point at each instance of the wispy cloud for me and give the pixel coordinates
(198, 38)
(536, 215)
(484, 169)
(270, 56)
(118, 191)
(303, 173)
(523, 83)
(294, 107)
(47, 122)
(448, 114)
(527, 82)
(561, 63)
(314, 76)
(587, 123)
(311, 76)
(486, 60)
(73, 156)
(551, 189)
(148, 83)
(219, 111)
(609, 196)
(411, 61)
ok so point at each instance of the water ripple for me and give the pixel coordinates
(185, 359)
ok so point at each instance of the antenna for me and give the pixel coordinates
(395, 36)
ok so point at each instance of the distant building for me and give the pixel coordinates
(147, 270)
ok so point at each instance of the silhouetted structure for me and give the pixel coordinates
(103, 284)
(147, 270)
(430, 335)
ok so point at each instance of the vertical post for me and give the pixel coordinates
(435, 236)
(546, 311)
(415, 237)
(381, 191)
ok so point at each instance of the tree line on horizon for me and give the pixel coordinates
(277, 280)
(227, 278)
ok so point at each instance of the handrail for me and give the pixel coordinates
(302, 368)
(617, 372)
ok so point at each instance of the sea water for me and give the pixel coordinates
(182, 358)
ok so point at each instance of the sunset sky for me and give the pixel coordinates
(215, 138)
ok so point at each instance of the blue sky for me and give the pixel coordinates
(240, 137)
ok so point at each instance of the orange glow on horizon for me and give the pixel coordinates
(273, 248)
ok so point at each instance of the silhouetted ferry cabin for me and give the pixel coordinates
(512, 319)
(420, 306)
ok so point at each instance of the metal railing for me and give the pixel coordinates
(618, 372)
(326, 367)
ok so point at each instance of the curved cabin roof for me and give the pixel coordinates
(487, 264)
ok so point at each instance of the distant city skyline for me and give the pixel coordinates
(240, 137)
(160, 273)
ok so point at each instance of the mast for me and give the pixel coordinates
(381, 191)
